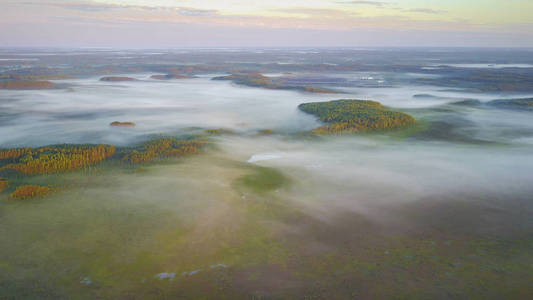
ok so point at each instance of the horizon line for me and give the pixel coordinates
(266, 47)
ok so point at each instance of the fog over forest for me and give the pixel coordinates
(215, 183)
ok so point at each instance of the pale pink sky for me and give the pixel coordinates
(221, 23)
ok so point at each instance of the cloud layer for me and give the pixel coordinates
(350, 21)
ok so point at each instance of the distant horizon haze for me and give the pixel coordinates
(271, 23)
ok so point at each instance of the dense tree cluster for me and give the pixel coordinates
(251, 79)
(484, 80)
(25, 84)
(48, 160)
(351, 116)
(117, 78)
(218, 131)
(311, 89)
(14, 153)
(35, 76)
(63, 158)
(214, 131)
(30, 191)
(57, 159)
(3, 184)
(519, 104)
(266, 132)
(163, 147)
(170, 76)
(122, 124)
(259, 80)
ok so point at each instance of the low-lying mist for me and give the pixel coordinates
(83, 113)
(440, 208)
(375, 176)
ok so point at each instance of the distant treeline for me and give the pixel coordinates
(259, 80)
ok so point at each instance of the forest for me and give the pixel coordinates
(162, 148)
(520, 104)
(3, 184)
(26, 84)
(20, 162)
(48, 160)
(352, 116)
(30, 191)
(255, 79)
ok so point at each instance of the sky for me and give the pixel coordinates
(266, 23)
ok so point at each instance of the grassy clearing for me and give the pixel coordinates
(263, 180)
